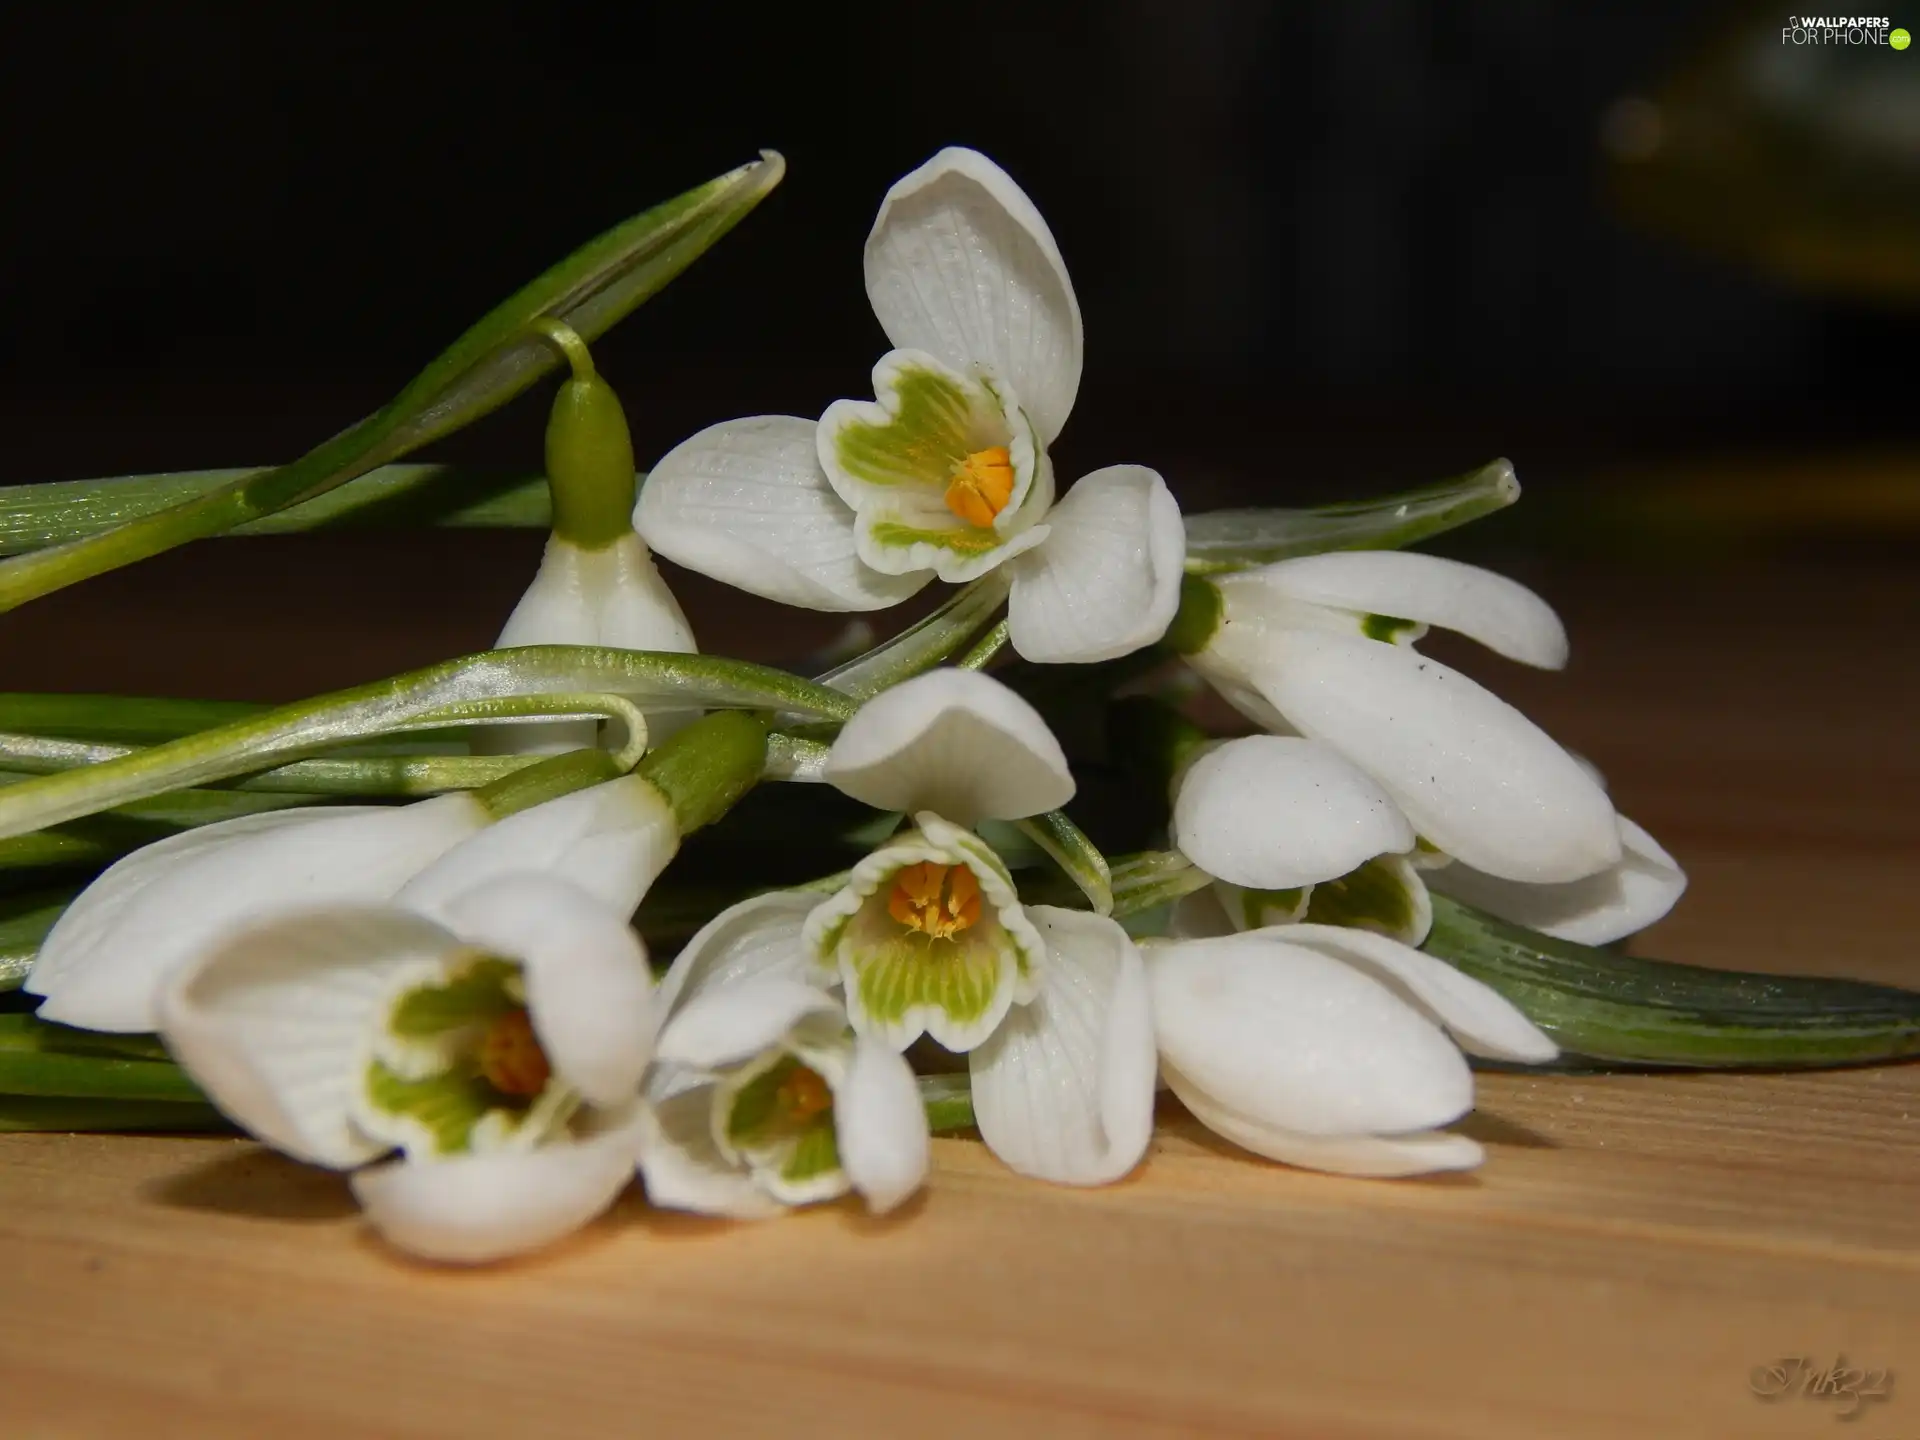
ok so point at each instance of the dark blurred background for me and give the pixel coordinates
(1663, 258)
(1316, 245)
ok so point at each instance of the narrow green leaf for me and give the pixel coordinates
(948, 1100)
(1623, 1009)
(1223, 540)
(37, 1058)
(391, 497)
(399, 776)
(920, 647)
(1074, 853)
(494, 361)
(494, 684)
(128, 719)
(20, 1114)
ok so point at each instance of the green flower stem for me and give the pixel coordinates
(491, 685)
(949, 1102)
(589, 451)
(1151, 878)
(392, 497)
(921, 647)
(1226, 540)
(24, 1113)
(549, 779)
(705, 768)
(96, 840)
(489, 365)
(398, 776)
(1073, 852)
(985, 648)
(1626, 1010)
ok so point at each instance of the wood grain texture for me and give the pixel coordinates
(1635, 1246)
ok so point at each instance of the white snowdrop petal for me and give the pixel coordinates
(1274, 812)
(108, 956)
(472, 1209)
(1063, 1089)
(953, 741)
(746, 502)
(881, 1126)
(1106, 581)
(1297, 1040)
(1378, 1157)
(1471, 773)
(1501, 614)
(961, 265)
(277, 1022)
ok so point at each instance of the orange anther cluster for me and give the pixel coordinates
(941, 900)
(981, 486)
(511, 1058)
(803, 1095)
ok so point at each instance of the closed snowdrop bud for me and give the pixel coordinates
(1331, 1049)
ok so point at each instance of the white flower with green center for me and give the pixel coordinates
(761, 1096)
(946, 472)
(929, 935)
(166, 905)
(597, 583)
(1321, 646)
(1331, 1049)
(1293, 832)
(500, 1051)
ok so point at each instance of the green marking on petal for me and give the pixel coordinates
(922, 442)
(443, 1108)
(1386, 895)
(756, 1105)
(966, 540)
(1260, 908)
(1389, 628)
(959, 975)
(816, 1152)
(477, 995)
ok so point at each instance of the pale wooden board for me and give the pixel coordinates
(1635, 1246)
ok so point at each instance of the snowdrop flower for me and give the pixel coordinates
(946, 472)
(500, 1051)
(1329, 1048)
(171, 902)
(1320, 646)
(597, 583)
(761, 1097)
(929, 936)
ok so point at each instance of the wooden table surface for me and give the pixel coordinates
(1634, 1248)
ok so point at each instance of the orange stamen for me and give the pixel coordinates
(940, 900)
(511, 1058)
(981, 486)
(803, 1095)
